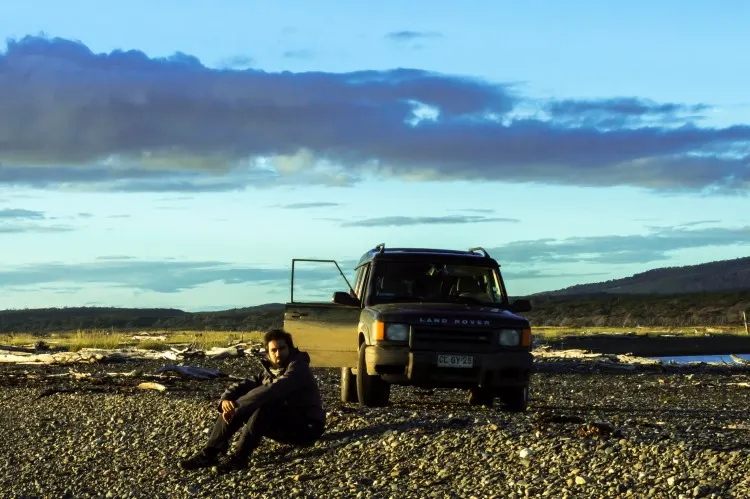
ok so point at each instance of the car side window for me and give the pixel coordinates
(362, 281)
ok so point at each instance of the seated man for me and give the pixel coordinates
(282, 403)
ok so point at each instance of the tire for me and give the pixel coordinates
(515, 399)
(477, 396)
(348, 385)
(372, 391)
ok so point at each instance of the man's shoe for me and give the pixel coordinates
(202, 459)
(231, 463)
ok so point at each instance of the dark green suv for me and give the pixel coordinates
(430, 318)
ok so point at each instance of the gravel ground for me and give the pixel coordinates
(652, 433)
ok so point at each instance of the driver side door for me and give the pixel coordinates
(327, 331)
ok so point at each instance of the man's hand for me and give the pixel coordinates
(227, 410)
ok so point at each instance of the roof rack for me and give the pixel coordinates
(479, 248)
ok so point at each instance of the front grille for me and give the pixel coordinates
(455, 339)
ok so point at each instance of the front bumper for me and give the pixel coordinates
(399, 365)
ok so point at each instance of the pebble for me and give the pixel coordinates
(669, 444)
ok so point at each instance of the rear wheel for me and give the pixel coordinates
(515, 399)
(348, 385)
(372, 391)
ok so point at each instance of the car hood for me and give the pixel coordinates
(448, 314)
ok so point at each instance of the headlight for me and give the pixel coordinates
(397, 332)
(509, 337)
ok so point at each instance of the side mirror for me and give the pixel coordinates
(344, 298)
(521, 305)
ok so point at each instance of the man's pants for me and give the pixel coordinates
(271, 421)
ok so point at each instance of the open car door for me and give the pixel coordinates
(327, 331)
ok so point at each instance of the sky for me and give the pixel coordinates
(179, 154)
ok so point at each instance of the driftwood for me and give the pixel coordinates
(146, 385)
(9, 348)
(617, 361)
(225, 353)
(739, 360)
(85, 357)
(192, 371)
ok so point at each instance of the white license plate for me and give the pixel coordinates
(466, 361)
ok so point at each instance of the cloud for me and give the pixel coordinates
(20, 229)
(700, 222)
(304, 206)
(621, 112)
(614, 249)
(410, 36)
(400, 221)
(11, 213)
(161, 276)
(237, 62)
(476, 210)
(517, 275)
(18, 221)
(298, 54)
(174, 125)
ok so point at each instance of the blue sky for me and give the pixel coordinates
(174, 154)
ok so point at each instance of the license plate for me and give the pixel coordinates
(465, 361)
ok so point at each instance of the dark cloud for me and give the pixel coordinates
(166, 276)
(400, 221)
(410, 36)
(612, 249)
(303, 206)
(124, 121)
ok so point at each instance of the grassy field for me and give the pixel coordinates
(554, 332)
(162, 340)
(153, 340)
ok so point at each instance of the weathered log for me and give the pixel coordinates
(9, 348)
(192, 371)
(147, 385)
(224, 353)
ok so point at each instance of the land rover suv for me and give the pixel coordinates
(428, 318)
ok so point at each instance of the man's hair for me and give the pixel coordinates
(279, 334)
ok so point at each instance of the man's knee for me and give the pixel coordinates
(262, 416)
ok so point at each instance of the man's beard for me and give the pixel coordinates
(279, 365)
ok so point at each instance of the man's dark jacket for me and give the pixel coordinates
(295, 388)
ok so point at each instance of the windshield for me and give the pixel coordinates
(435, 282)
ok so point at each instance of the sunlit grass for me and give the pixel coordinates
(558, 331)
(109, 339)
(205, 340)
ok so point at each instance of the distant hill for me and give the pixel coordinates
(708, 294)
(719, 276)
(46, 320)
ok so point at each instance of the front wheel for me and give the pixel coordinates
(348, 385)
(515, 399)
(478, 396)
(372, 391)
